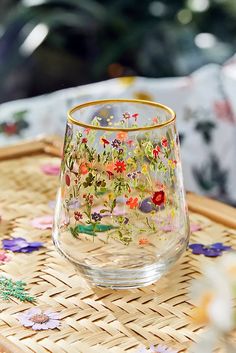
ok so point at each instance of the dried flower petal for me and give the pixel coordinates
(20, 245)
(44, 222)
(50, 169)
(212, 250)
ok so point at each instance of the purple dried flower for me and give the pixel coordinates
(212, 250)
(20, 245)
(96, 216)
(115, 143)
(39, 320)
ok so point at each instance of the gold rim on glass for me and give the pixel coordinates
(72, 120)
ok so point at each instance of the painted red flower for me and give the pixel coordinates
(143, 241)
(84, 140)
(120, 166)
(110, 174)
(83, 169)
(164, 142)
(132, 202)
(156, 151)
(135, 116)
(87, 130)
(78, 215)
(130, 143)
(67, 178)
(158, 198)
(122, 135)
(155, 120)
(105, 142)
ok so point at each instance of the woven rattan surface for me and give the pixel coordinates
(92, 319)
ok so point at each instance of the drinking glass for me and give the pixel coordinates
(121, 216)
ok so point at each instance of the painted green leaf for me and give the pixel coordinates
(90, 229)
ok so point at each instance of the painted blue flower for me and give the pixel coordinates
(212, 250)
(96, 216)
(20, 245)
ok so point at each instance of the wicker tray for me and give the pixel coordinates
(94, 320)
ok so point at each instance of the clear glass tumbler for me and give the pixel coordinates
(121, 216)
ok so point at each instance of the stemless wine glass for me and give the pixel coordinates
(121, 216)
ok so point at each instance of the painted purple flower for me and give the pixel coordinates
(133, 175)
(168, 228)
(212, 250)
(159, 349)
(146, 205)
(72, 203)
(50, 169)
(20, 245)
(118, 211)
(115, 143)
(126, 220)
(39, 320)
(96, 216)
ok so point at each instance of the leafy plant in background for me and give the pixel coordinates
(212, 177)
(49, 44)
(15, 125)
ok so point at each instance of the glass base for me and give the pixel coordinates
(134, 272)
(123, 279)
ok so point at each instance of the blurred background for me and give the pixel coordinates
(46, 45)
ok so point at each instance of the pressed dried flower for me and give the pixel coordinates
(39, 320)
(50, 169)
(43, 222)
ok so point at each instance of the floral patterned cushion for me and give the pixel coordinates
(206, 119)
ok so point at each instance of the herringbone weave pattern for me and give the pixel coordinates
(93, 320)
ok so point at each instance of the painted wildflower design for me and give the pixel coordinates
(112, 176)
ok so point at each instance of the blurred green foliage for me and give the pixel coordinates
(51, 44)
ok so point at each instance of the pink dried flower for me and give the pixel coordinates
(4, 257)
(50, 169)
(39, 320)
(44, 222)
(194, 227)
(159, 349)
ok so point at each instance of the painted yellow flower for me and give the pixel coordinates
(144, 169)
(172, 213)
(130, 161)
(111, 196)
(137, 151)
(172, 163)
